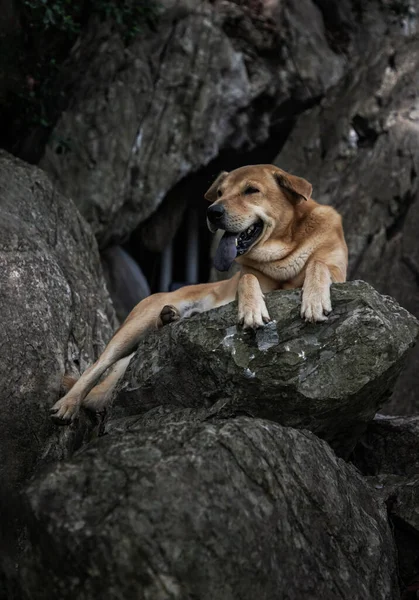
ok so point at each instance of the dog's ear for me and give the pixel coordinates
(211, 193)
(296, 188)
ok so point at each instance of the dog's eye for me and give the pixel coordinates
(219, 193)
(250, 190)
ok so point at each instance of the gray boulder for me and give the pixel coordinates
(179, 508)
(388, 454)
(212, 80)
(389, 445)
(141, 118)
(360, 150)
(56, 314)
(56, 318)
(330, 378)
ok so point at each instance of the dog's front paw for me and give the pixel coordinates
(316, 306)
(65, 410)
(252, 316)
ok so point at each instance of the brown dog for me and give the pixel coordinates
(281, 238)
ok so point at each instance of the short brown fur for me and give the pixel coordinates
(302, 245)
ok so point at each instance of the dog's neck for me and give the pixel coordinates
(280, 262)
(282, 257)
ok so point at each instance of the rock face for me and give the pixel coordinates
(329, 378)
(390, 445)
(224, 509)
(56, 318)
(218, 76)
(360, 150)
(56, 313)
(223, 76)
(388, 453)
(228, 75)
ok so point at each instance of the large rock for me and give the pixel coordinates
(56, 317)
(360, 150)
(56, 314)
(330, 378)
(228, 509)
(388, 453)
(390, 445)
(210, 77)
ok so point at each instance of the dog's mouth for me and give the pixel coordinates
(235, 244)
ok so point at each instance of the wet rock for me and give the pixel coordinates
(330, 378)
(178, 508)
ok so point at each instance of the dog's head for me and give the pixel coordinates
(251, 204)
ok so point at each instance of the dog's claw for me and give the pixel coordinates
(64, 411)
(252, 318)
(316, 306)
(59, 421)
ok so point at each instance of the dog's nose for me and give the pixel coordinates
(215, 212)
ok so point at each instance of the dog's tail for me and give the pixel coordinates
(68, 381)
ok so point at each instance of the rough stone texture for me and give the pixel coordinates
(56, 317)
(390, 445)
(56, 313)
(212, 76)
(225, 509)
(360, 150)
(401, 495)
(388, 453)
(330, 378)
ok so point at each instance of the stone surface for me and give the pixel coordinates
(360, 150)
(56, 312)
(388, 453)
(212, 76)
(389, 445)
(401, 495)
(178, 508)
(56, 318)
(330, 378)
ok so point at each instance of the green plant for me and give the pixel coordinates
(48, 30)
(68, 15)
(62, 15)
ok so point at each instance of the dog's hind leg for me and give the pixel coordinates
(101, 395)
(145, 316)
(121, 346)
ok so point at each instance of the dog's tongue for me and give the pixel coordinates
(226, 252)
